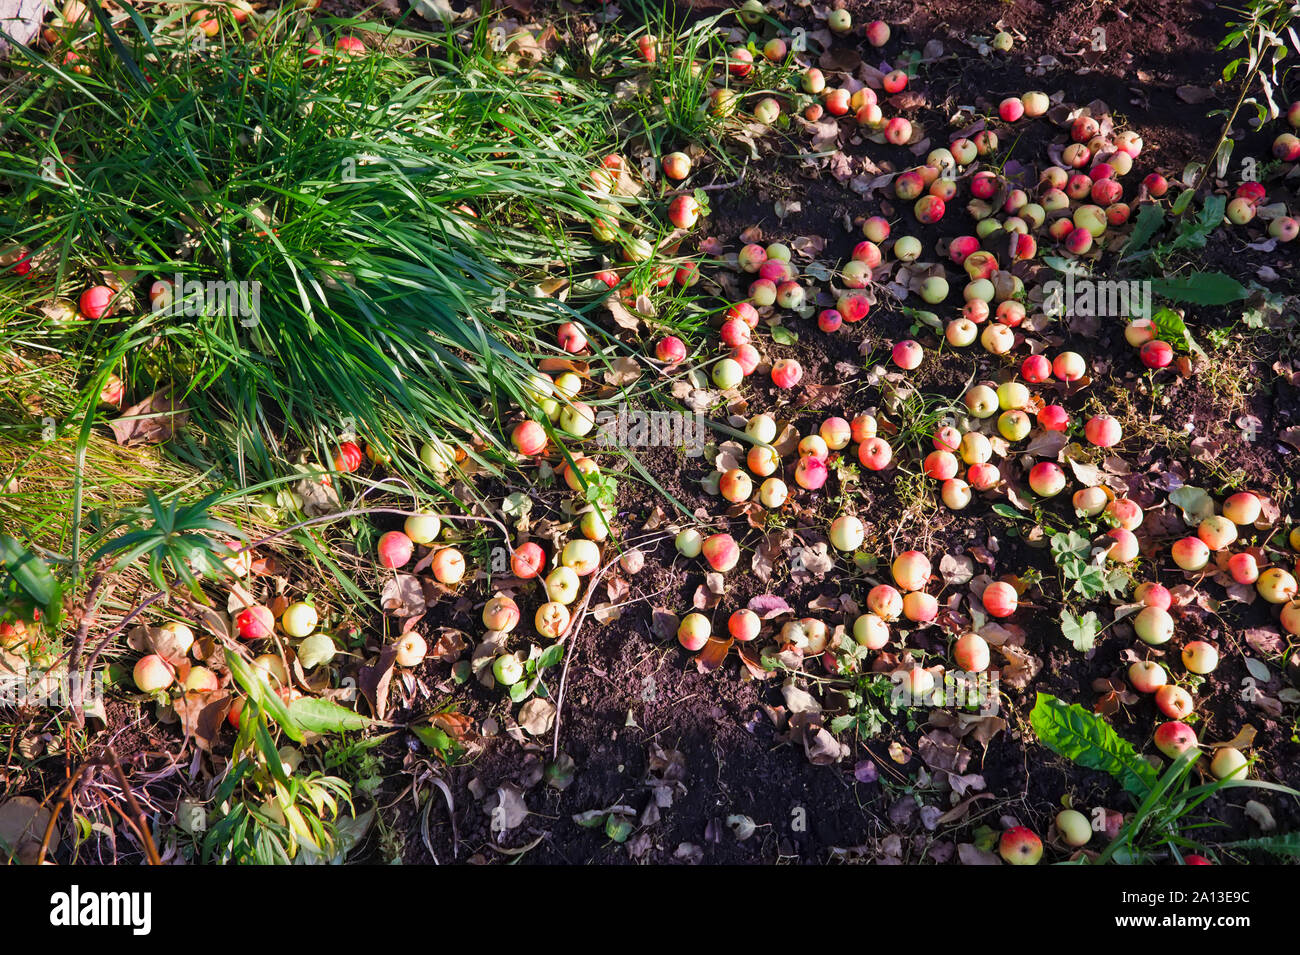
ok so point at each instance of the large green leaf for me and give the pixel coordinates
(1071, 731)
(325, 716)
(1201, 288)
(31, 573)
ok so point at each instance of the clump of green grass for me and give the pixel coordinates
(394, 213)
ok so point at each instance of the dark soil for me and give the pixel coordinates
(736, 760)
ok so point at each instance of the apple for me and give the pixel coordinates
(298, 620)
(727, 374)
(1200, 657)
(907, 354)
(96, 302)
(1103, 431)
(786, 373)
(941, 465)
(582, 556)
(1147, 676)
(836, 432)
(772, 493)
(1000, 599)
(1125, 512)
(975, 448)
(501, 613)
(907, 248)
(270, 669)
(1174, 738)
(839, 21)
(422, 528)
(577, 419)
(201, 680)
(971, 651)
(920, 607)
(448, 566)
(751, 257)
(877, 32)
(350, 46)
(571, 337)
(579, 473)
(747, 357)
(911, 570)
(740, 61)
(761, 428)
(916, 682)
(684, 212)
(1173, 701)
(1190, 553)
(721, 552)
(1018, 845)
(677, 166)
(527, 560)
(1228, 763)
(1012, 395)
(1154, 625)
(152, 673)
(1242, 508)
(997, 339)
(1124, 545)
(551, 619)
(1276, 585)
(885, 602)
(1243, 568)
(508, 669)
(529, 438)
(961, 332)
(693, 631)
(1290, 618)
(689, 543)
(1074, 827)
(812, 446)
(1011, 109)
(871, 631)
(1047, 479)
(981, 400)
(1156, 354)
(847, 533)
(875, 454)
(763, 459)
(1053, 418)
(955, 494)
(744, 625)
(255, 622)
(1217, 532)
(811, 473)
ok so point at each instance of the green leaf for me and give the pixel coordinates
(1201, 288)
(551, 656)
(618, 828)
(1283, 845)
(783, 336)
(262, 696)
(1195, 503)
(325, 716)
(1007, 511)
(433, 738)
(1080, 631)
(1171, 328)
(31, 573)
(1071, 731)
(1182, 202)
(1148, 221)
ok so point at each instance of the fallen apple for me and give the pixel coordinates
(152, 673)
(1019, 845)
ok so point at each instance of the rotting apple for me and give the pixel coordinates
(501, 613)
(551, 619)
(1276, 585)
